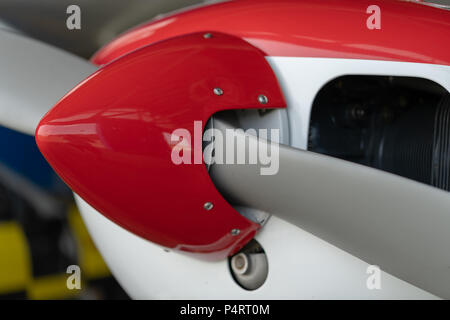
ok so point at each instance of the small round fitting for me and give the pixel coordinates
(235, 232)
(262, 99)
(240, 263)
(208, 206)
(218, 91)
(249, 267)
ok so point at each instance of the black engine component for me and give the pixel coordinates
(441, 146)
(396, 124)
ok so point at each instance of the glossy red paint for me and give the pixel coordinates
(110, 138)
(326, 28)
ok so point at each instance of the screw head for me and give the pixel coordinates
(218, 91)
(235, 232)
(262, 99)
(207, 35)
(208, 206)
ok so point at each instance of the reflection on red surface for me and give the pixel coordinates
(108, 138)
(327, 28)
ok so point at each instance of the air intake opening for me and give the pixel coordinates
(396, 124)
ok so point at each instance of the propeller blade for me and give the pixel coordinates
(34, 76)
(400, 225)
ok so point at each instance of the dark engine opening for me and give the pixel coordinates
(396, 124)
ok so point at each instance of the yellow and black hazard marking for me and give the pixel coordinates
(15, 264)
(33, 267)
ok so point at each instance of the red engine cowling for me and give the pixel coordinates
(110, 138)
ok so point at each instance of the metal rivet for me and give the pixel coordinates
(218, 91)
(208, 206)
(235, 232)
(207, 35)
(262, 99)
